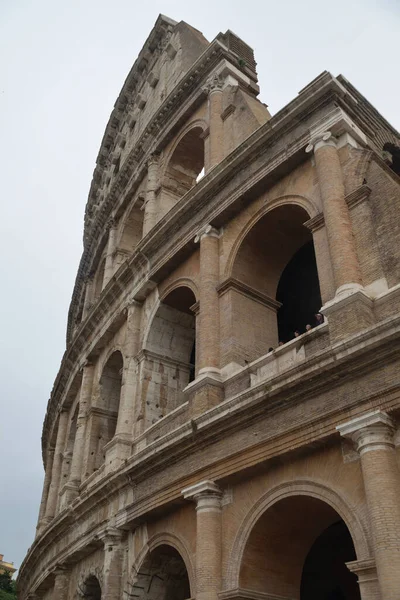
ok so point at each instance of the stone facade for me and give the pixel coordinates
(193, 448)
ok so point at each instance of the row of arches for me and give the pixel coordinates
(182, 169)
(297, 549)
(276, 259)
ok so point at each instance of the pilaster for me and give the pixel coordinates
(113, 562)
(207, 496)
(61, 580)
(372, 435)
(71, 490)
(150, 206)
(56, 467)
(111, 245)
(351, 308)
(206, 390)
(214, 88)
(120, 447)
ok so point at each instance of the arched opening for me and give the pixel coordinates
(169, 355)
(183, 169)
(107, 401)
(299, 549)
(298, 293)
(392, 153)
(162, 576)
(131, 233)
(91, 589)
(275, 287)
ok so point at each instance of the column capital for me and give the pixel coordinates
(214, 84)
(372, 431)
(206, 231)
(110, 536)
(60, 570)
(153, 160)
(324, 138)
(207, 495)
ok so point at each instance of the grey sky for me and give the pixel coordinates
(62, 64)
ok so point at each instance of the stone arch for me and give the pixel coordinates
(168, 356)
(106, 403)
(180, 282)
(182, 165)
(165, 555)
(308, 205)
(272, 275)
(298, 488)
(197, 123)
(130, 231)
(90, 584)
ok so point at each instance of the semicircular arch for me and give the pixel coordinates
(166, 539)
(313, 489)
(301, 201)
(195, 124)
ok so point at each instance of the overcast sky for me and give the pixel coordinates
(62, 64)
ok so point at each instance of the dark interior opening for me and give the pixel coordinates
(298, 292)
(92, 589)
(394, 152)
(325, 575)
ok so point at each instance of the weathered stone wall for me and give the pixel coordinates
(168, 479)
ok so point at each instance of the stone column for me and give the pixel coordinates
(113, 562)
(85, 396)
(87, 304)
(109, 265)
(216, 134)
(208, 334)
(56, 468)
(150, 207)
(373, 436)
(346, 269)
(60, 589)
(120, 447)
(45, 492)
(131, 348)
(207, 496)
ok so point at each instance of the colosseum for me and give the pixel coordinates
(225, 419)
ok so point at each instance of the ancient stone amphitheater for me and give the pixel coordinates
(194, 446)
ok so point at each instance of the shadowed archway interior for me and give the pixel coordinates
(298, 292)
(298, 549)
(162, 576)
(91, 589)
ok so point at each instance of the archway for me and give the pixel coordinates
(298, 293)
(274, 269)
(108, 399)
(130, 234)
(183, 168)
(91, 589)
(162, 576)
(298, 549)
(169, 355)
